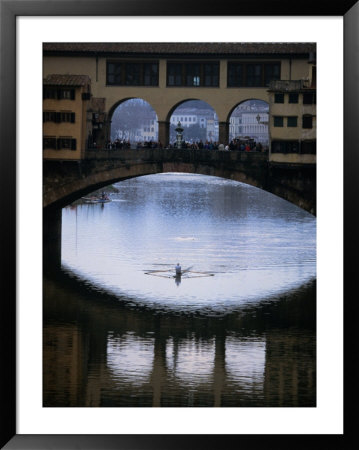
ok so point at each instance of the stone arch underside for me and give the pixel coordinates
(61, 195)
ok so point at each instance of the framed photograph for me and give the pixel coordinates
(130, 317)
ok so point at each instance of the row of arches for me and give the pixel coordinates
(135, 120)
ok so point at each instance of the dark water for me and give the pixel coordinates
(237, 329)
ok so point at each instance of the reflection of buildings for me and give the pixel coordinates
(66, 362)
(189, 371)
(115, 356)
(289, 381)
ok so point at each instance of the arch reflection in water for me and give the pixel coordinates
(191, 361)
(245, 365)
(99, 352)
(130, 358)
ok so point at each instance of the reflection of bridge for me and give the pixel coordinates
(117, 356)
(66, 181)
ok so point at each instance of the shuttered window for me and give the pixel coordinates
(285, 147)
(49, 142)
(58, 117)
(66, 143)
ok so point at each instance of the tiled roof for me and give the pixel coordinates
(172, 48)
(67, 80)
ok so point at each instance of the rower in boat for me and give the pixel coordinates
(178, 270)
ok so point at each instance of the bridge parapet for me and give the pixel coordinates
(173, 154)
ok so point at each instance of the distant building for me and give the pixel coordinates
(149, 129)
(204, 118)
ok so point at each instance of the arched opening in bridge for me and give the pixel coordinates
(248, 125)
(134, 125)
(199, 122)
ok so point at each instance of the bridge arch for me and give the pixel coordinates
(112, 111)
(202, 104)
(249, 118)
(100, 170)
(185, 100)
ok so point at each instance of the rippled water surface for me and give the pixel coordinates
(242, 244)
(236, 329)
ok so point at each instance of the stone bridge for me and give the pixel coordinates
(66, 181)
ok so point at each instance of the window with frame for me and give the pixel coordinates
(309, 147)
(211, 74)
(49, 92)
(58, 117)
(174, 74)
(66, 143)
(279, 97)
(150, 74)
(307, 121)
(132, 74)
(278, 121)
(49, 142)
(252, 74)
(194, 74)
(120, 73)
(309, 98)
(271, 72)
(49, 116)
(292, 121)
(285, 147)
(67, 94)
(293, 97)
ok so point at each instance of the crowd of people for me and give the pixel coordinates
(248, 145)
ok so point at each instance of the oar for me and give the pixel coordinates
(186, 270)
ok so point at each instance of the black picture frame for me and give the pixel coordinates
(9, 10)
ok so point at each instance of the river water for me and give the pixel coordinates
(238, 328)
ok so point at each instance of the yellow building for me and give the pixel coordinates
(165, 75)
(66, 101)
(293, 121)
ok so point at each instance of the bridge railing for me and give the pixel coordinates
(163, 154)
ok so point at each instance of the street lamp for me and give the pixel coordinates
(179, 131)
(259, 120)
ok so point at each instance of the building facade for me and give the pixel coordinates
(65, 105)
(293, 122)
(165, 75)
